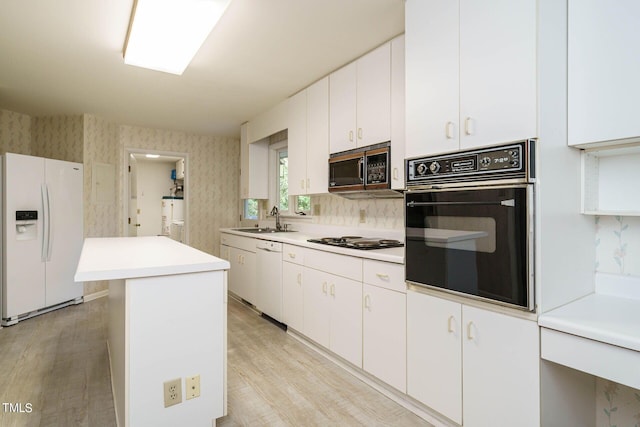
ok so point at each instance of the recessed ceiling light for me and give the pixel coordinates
(152, 156)
(165, 35)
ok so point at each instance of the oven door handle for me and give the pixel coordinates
(508, 202)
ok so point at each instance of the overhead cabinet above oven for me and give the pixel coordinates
(470, 74)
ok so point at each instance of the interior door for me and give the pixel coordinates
(133, 197)
(65, 235)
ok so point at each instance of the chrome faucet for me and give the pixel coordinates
(275, 212)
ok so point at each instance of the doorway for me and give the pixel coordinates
(156, 194)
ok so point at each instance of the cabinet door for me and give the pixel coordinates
(292, 296)
(397, 113)
(373, 107)
(318, 137)
(235, 276)
(346, 318)
(434, 354)
(242, 274)
(497, 71)
(254, 167)
(315, 292)
(432, 76)
(603, 70)
(297, 144)
(342, 109)
(501, 370)
(248, 281)
(385, 335)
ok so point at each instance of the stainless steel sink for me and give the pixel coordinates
(258, 230)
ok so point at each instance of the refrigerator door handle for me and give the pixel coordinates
(49, 226)
(45, 222)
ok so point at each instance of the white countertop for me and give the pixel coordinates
(299, 238)
(610, 315)
(110, 258)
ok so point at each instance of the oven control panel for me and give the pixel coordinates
(507, 161)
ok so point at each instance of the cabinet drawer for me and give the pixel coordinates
(340, 265)
(240, 242)
(294, 254)
(384, 274)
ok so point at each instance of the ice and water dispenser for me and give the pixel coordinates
(26, 225)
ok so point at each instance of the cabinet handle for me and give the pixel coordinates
(242, 260)
(292, 255)
(468, 126)
(308, 183)
(351, 135)
(383, 276)
(395, 173)
(359, 133)
(449, 130)
(302, 184)
(367, 302)
(299, 279)
(449, 324)
(333, 290)
(469, 327)
(324, 287)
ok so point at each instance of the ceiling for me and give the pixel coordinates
(65, 57)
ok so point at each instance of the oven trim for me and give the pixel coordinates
(530, 236)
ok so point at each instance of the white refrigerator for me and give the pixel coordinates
(42, 227)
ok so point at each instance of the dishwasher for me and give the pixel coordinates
(269, 278)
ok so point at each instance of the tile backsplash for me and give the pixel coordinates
(378, 213)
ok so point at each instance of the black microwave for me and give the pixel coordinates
(362, 172)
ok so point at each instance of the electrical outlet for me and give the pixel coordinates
(192, 386)
(316, 209)
(363, 215)
(172, 392)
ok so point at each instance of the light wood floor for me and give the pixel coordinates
(58, 362)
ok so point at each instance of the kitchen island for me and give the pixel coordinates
(167, 321)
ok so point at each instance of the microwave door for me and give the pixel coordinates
(346, 173)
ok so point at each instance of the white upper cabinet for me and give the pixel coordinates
(360, 101)
(254, 163)
(471, 74)
(373, 107)
(603, 70)
(297, 144)
(308, 143)
(397, 113)
(318, 137)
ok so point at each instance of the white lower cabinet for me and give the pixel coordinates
(242, 277)
(474, 366)
(292, 298)
(384, 339)
(333, 313)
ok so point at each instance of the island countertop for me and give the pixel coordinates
(108, 258)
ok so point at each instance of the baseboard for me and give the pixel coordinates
(397, 396)
(96, 295)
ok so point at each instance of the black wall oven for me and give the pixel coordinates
(470, 226)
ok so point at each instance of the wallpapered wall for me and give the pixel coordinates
(617, 244)
(58, 137)
(15, 133)
(213, 165)
(213, 169)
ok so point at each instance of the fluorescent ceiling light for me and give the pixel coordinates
(152, 156)
(165, 35)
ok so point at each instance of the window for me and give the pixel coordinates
(282, 185)
(303, 204)
(250, 209)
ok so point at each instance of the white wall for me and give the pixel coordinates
(154, 181)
